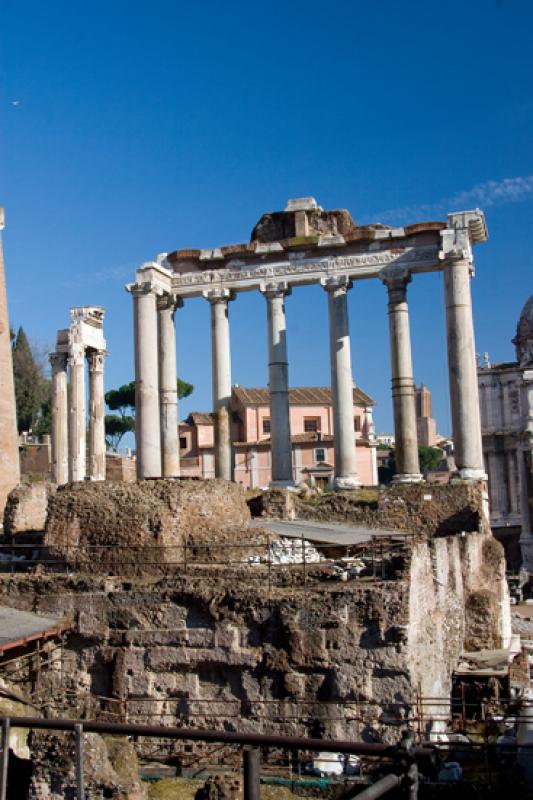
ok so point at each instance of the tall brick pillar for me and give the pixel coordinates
(9, 449)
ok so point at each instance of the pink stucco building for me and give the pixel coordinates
(311, 418)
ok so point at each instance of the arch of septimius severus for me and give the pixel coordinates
(307, 245)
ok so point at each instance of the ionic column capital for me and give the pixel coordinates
(395, 278)
(336, 283)
(275, 289)
(142, 289)
(451, 263)
(218, 295)
(169, 302)
(58, 361)
(96, 360)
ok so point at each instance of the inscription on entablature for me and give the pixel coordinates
(324, 265)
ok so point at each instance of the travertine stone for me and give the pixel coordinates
(278, 383)
(341, 384)
(147, 421)
(77, 448)
(464, 395)
(221, 377)
(403, 389)
(59, 418)
(9, 451)
(97, 448)
(168, 395)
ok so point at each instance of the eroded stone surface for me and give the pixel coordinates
(97, 527)
(213, 648)
(26, 508)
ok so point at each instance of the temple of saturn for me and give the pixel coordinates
(84, 339)
(306, 245)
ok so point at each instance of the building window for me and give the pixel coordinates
(266, 425)
(320, 455)
(357, 424)
(311, 424)
(183, 442)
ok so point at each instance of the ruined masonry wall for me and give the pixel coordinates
(458, 601)
(205, 650)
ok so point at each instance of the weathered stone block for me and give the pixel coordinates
(26, 508)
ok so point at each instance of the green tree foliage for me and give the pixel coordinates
(123, 401)
(32, 387)
(115, 428)
(428, 457)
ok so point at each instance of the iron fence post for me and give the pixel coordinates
(251, 784)
(80, 787)
(4, 764)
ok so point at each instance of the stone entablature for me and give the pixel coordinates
(327, 249)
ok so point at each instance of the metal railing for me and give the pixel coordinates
(302, 559)
(403, 755)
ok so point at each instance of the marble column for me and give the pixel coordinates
(341, 383)
(78, 427)
(97, 448)
(278, 384)
(221, 378)
(403, 388)
(147, 420)
(59, 418)
(168, 395)
(462, 368)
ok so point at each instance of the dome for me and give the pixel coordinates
(523, 340)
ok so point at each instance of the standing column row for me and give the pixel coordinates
(346, 476)
(59, 418)
(69, 422)
(462, 368)
(221, 381)
(278, 384)
(156, 397)
(168, 396)
(403, 387)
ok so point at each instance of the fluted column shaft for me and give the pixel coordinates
(341, 384)
(464, 394)
(97, 448)
(77, 429)
(59, 418)
(403, 388)
(278, 384)
(168, 395)
(147, 422)
(221, 381)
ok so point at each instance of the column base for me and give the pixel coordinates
(470, 474)
(346, 484)
(407, 477)
(283, 485)
(526, 550)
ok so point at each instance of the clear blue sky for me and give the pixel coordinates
(130, 128)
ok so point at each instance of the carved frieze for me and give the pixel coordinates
(304, 270)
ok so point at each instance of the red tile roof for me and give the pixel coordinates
(298, 396)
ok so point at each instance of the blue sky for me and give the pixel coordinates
(130, 128)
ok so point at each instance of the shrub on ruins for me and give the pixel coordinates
(32, 387)
(123, 401)
(429, 459)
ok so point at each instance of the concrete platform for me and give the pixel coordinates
(330, 533)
